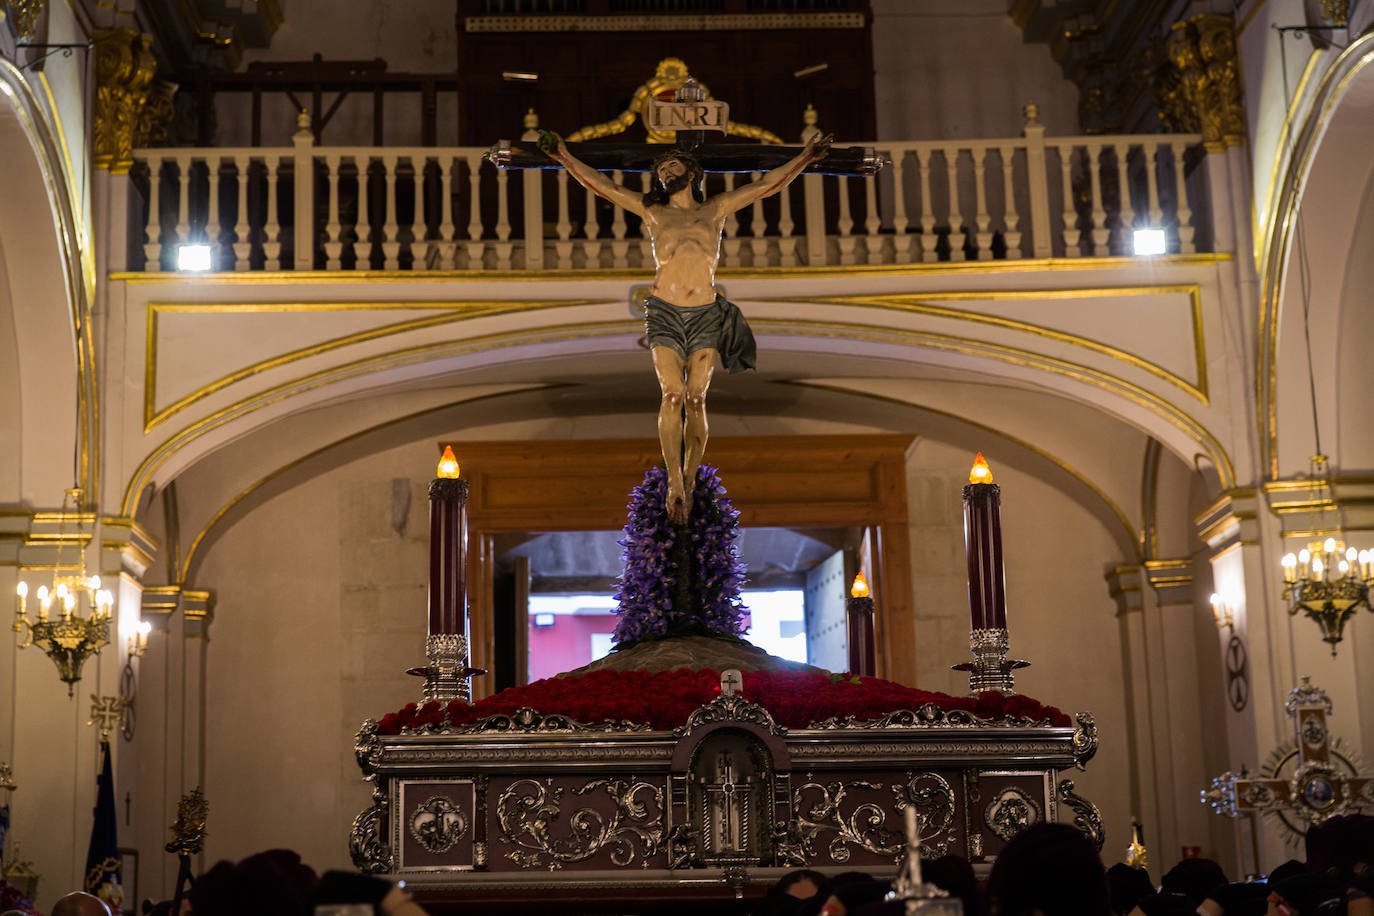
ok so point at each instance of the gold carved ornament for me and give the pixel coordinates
(124, 69)
(23, 16)
(1199, 88)
(669, 76)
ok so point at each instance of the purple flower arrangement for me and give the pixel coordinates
(658, 597)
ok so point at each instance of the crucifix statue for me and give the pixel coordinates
(688, 321)
(1322, 785)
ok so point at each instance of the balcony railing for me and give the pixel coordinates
(428, 208)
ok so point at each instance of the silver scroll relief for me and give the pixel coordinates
(1010, 811)
(820, 810)
(528, 809)
(438, 825)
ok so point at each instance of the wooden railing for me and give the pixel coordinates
(427, 208)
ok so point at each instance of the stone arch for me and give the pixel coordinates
(45, 306)
(1324, 229)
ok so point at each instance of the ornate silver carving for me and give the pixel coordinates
(446, 676)
(1084, 739)
(367, 747)
(990, 668)
(930, 749)
(1306, 694)
(730, 709)
(527, 809)
(370, 852)
(865, 826)
(438, 824)
(527, 720)
(1010, 811)
(1086, 817)
(929, 716)
(1313, 731)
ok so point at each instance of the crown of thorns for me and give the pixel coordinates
(686, 159)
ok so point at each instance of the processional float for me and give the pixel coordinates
(481, 798)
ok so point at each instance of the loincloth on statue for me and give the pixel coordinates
(718, 326)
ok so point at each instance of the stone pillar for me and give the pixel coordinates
(1124, 585)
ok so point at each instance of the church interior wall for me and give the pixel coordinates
(945, 70)
(1353, 436)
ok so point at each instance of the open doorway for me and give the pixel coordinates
(555, 594)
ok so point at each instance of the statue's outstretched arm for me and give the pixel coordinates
(588, 177)
(772, 182)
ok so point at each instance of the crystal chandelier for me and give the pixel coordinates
(1327, 580)
(60, 630)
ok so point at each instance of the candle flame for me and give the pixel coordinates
(448, 464)
(980, 472)
(860, 587)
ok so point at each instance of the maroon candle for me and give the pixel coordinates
(448, 548)
(859, 615)
(987, 597)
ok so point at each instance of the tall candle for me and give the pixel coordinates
(859, 616)
(448, 542)
(987, 598)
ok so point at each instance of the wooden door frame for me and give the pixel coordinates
(788, 481)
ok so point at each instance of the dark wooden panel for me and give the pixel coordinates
(589, 77)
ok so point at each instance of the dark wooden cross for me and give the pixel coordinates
(1320, 787)
(693, 117)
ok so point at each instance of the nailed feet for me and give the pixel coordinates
(679, 501)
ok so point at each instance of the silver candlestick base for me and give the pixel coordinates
(990, 668)
(448, 675)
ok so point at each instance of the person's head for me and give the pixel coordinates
(1286, 870)
(672, 172)
(1050, 868)
(801, 884)
(1342, 846)
(1193, 878)
(79, 903)
(271, 883)
(1127, 886)
(1302, 895)
(1164, 905)
(955, 875)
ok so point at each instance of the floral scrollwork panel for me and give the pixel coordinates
(623, 817)
(826, 813)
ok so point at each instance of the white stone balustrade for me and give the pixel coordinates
(431, 208)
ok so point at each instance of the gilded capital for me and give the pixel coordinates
(1198, 88)
(124, 70)
(24, 15)
(1336, 12)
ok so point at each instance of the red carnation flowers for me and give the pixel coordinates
(664, 700)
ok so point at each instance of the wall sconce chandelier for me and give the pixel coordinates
(62, 632)
(1326, 580)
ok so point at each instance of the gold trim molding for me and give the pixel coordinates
(921, 304)
(561, 333)
(345, 277)
(452, 312)
(680, 22)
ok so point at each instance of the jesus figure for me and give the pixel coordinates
(687, 322)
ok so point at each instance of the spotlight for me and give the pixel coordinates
(1149, 242)
(195, 256)
(544, 619)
